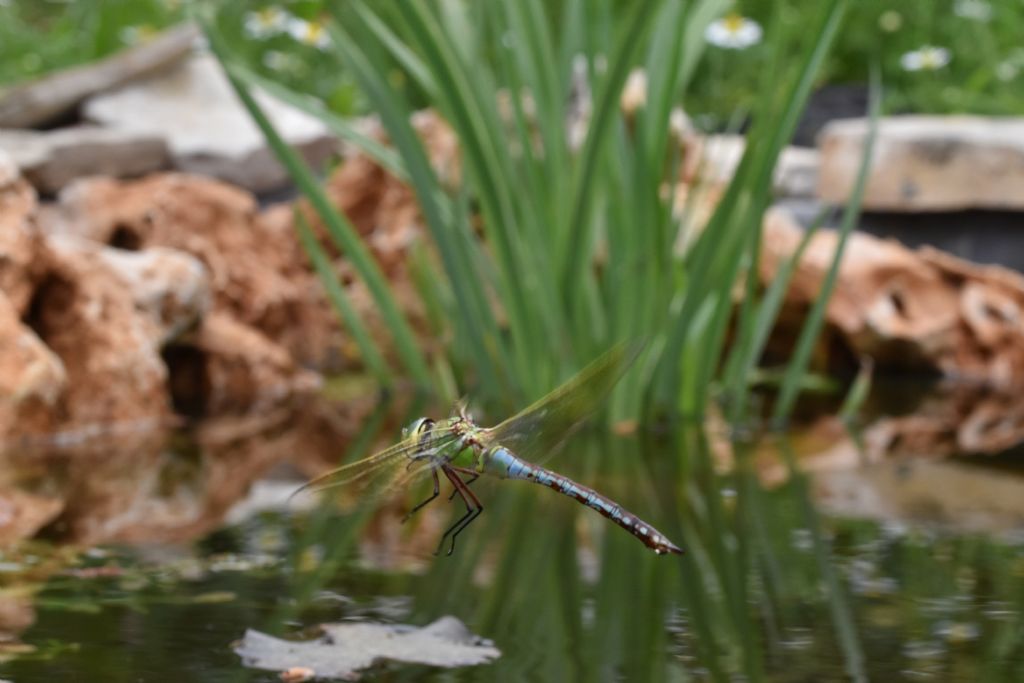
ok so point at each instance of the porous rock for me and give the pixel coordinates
(904, 308)
(87, 314)
(32, 377)
(256, 268)
(240, 369)
(19, 242)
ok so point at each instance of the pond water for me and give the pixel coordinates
(825, 556)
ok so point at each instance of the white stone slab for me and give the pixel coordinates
(927, 163)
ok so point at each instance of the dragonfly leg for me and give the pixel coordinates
(472, 474)
(473, 509)
(437, 491)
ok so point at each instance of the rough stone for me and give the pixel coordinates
(50, 97)
(207, 130)
(927, 163)
(169, 286)
(236, 369)
(257, 269)
(32, 378)
(714, 159)
(905, 308)
(86, 314)
(52, 159)
(19, 242)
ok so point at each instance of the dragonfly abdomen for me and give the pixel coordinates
(510, 466)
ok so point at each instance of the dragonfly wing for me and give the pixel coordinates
(384, 471)
(542, 427)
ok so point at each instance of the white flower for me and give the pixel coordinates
(925, 58)
(890, 21)
(133, 35)
(266, 23)
(979, 10)
(733, 32)
(311, 33)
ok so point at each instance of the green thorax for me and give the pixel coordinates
(468, 450)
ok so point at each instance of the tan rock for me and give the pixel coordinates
(905, 308)
(84, 312)
(257, 270)
(19, 243)
(32, 378)
(237, 369)
(169, 286)
(927, 163)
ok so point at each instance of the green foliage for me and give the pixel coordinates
(38, 37)
(581, 242)
(984, 74)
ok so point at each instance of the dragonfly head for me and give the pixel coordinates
(418, 429)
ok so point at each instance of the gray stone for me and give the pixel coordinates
(927, 163)
(796, 174)
(41, 101)
(715, 159)
(52, 159)
(207, 129)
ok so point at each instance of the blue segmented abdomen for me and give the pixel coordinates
(505, 464)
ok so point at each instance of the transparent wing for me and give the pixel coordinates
(541, 428)
(385, 471)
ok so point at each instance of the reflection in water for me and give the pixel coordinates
(156, 485)
(780, 581)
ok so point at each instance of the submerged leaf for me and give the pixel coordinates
(345, 649)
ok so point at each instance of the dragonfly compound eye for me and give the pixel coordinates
(418, 429)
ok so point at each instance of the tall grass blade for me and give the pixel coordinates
(339, 228)
(800, 360)
(339, 298)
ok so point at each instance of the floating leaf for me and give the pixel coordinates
(344, 649)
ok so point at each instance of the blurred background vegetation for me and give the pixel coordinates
(982, 39)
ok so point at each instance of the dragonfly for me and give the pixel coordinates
(462, 451)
